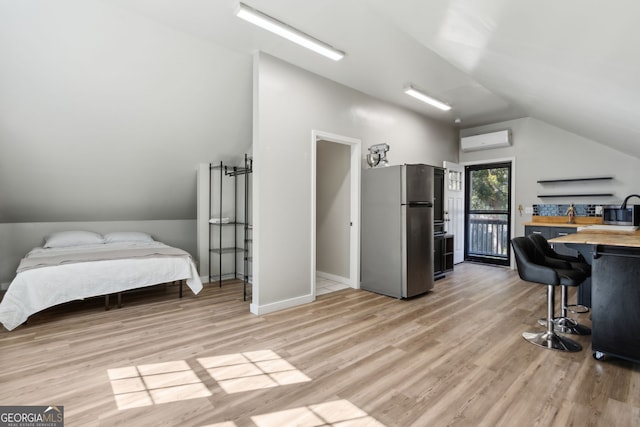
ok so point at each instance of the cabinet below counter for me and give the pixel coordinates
(551, 231)
(442, 255)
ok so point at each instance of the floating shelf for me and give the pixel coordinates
(577, 195)
(592, 178)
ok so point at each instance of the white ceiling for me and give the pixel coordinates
(572, 63)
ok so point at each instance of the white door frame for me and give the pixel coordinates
(454, 210)
(355, 146)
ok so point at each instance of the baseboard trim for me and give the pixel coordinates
(280, 305)
(240, 276)
(334, 278)
(214, 279)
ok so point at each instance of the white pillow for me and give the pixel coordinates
(127, 236)
(63, 239)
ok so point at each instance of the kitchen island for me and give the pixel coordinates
(615, 289)
(551, 227)
(603, 236)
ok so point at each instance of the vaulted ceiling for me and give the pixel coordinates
(571, 63)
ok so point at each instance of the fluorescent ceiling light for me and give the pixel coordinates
(426, 98)
(283, 30)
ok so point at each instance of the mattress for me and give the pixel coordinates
(83, 274)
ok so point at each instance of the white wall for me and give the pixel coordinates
(333, 209)
(543, 151)
(104, 113)
(288, 104)
(104, 116)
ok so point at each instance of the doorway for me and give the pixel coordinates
(488, 213)
(335, 199)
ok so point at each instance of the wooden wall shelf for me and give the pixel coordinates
(577, 195)
(592, 178)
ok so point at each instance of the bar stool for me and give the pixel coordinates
(564, 323)
(532, 268)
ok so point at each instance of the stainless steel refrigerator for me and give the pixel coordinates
(397, 230)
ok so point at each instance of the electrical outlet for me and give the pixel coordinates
(528, 210)
(598, 210)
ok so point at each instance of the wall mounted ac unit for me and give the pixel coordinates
(486, 141)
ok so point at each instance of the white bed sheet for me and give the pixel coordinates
(37, 289)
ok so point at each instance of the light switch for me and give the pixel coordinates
(528, 210)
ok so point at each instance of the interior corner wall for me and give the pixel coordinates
(543, 151)
(203, 226)
(288, 104)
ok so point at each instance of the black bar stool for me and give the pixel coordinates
(564, 323)
(534, 267)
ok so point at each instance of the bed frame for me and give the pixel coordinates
(118, 295)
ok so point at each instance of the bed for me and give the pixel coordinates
(75, 265)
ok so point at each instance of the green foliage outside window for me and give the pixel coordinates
(490, 189)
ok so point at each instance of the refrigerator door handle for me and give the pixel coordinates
(420, 204)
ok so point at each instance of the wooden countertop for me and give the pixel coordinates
(601, 238)
(563, 221)
(552, 224)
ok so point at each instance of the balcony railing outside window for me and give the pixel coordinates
(488, 236)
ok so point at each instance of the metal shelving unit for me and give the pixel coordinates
(219, 242)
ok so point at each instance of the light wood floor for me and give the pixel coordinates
(452, 357)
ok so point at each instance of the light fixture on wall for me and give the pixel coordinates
(288, 32)
(410, 90)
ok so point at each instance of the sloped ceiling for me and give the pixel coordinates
(105, 113)
(571, 63)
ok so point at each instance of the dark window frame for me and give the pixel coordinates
(468, 212)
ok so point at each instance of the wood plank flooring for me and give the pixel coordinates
(452, 357)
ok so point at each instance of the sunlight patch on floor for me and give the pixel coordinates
(334, 413)
(253, 370)
(145, 385)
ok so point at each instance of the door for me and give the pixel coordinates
(454, 207)
(616, 272)
(418, 183)
(383, 267)
(419, 236)
(488, 213)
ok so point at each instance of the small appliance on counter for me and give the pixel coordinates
(623, 214)
(377, 156)
(615, 215)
